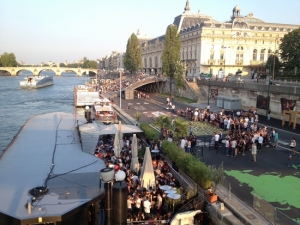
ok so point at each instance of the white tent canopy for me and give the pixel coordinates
(135, 165)
(147, 174)
(113, 129)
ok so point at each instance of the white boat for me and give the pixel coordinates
(36, 81)
(85, 96)
(103, 111)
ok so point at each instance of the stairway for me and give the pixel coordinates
(199, 92)
(194, 204)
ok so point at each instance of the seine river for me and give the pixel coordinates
(18, 105)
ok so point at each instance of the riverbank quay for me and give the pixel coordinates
(46, 177)
(240, 209)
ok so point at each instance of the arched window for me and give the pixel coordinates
(262, 55)
(150, 62)
(145, 62)
(254, 55)
(211, 56)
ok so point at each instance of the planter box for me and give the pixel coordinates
(210, 197)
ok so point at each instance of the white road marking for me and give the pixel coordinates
(283, 143)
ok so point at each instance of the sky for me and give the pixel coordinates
(58, 30)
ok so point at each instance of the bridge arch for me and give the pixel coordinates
(14, 71)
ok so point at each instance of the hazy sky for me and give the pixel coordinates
(57, 30)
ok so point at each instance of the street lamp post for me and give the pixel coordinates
(273, 72)
(120, 88)
(208, 92)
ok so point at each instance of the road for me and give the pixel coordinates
(269, 177)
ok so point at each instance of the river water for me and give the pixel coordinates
(18, 105)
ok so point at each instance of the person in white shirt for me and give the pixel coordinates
(196, 115)
(182, 143)
(217, 137)
(260, 141)
(158, 203)
(233, 144)
(147, 207)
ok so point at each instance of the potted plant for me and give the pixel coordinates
(216, 176)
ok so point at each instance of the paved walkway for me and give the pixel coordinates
(241, 209)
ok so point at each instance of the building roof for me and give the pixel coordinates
(47, 153)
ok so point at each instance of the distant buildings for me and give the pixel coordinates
(112, 62)
(207, 45)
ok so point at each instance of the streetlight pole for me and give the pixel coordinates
(120, 88)
(273, 72)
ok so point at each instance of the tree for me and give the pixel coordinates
(290, 49)
(92, 64)
(179, 74)
(133, 54)
(8, 60)
(216, 175)
(163, 121)
(181, 128)
(171, 55)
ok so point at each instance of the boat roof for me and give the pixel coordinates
(102, 100)
(46, 141)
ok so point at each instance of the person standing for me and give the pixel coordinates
(293, 145)
(217, 137)
(254, 152)
(260, 142)
(290, 160)
(269, 114)
(147, 207)
(226, 146)
(189, 144)
(276, 138)
(191, 129)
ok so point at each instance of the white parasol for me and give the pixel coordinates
(117, 149)
(134, 166)
(120, 129)
(147, 175)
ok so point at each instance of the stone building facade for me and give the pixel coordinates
(243, 43)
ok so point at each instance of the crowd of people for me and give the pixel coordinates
(143, 204)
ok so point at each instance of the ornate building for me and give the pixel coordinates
(243, 43)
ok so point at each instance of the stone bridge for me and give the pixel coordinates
(14, 71)
(150, 83)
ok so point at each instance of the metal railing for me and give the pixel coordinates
(270, 212)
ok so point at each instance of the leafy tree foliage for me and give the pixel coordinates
(270, 63)
(133, 54)
(8, 60)
(290, 49)
(179, 74)
(92, 64)
(181, 128)
(163, 121)
(171, 55)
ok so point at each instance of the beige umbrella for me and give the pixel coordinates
(120, 130)
(134, 166)
(147, 175)
(117, 149)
